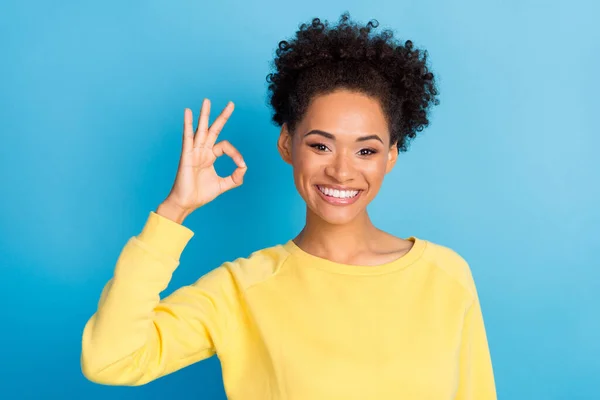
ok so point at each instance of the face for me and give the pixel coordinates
(340, 153)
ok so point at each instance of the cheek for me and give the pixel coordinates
(306, 164)
(374, 171)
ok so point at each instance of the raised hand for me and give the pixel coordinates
(197, 182)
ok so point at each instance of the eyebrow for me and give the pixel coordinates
(332, 137)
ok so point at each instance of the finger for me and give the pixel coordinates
(237, 177)
(218, 124)
(234, 180)
(224, 147)
(188, 130)
(202, 130)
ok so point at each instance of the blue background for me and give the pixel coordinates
(508, 173)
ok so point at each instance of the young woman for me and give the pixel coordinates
(342, 311)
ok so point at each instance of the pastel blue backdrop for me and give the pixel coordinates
(508, 174)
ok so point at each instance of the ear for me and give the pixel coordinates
(284, 144)
(392, 157)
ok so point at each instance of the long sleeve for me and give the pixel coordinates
(476, 380)
(135, 337)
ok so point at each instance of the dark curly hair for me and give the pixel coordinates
(320, 59)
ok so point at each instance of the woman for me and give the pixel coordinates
(342, 311)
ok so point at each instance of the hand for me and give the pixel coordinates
(197, 182)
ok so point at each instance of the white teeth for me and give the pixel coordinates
(340, 194)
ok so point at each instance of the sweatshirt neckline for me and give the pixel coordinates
(415, 252)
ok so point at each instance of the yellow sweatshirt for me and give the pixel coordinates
(286, 324)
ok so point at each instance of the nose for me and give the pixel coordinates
(340, 168)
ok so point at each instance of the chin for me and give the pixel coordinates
(337, 218)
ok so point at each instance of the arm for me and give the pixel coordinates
(476, 381)
(135, 337)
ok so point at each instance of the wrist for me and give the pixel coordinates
(172, 211)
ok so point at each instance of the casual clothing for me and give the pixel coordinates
(286, 324)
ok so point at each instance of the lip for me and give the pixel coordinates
(338, 187)
(334, 200)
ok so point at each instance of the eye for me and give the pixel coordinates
(367, 152)
(319, 146)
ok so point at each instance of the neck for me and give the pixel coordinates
(334, 241)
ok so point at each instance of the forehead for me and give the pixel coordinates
(345, 113)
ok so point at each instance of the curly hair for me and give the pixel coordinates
(321, 59)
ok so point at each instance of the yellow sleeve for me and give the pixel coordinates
(476, 380)
(135, 337)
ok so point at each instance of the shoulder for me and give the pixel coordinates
(450, 262)
(256, 267)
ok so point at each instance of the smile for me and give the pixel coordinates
(337, 196)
